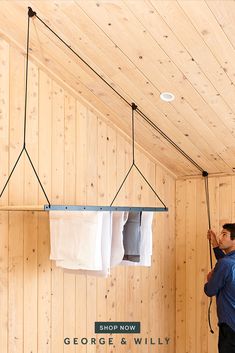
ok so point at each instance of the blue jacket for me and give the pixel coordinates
(222, 284)
(218, 253)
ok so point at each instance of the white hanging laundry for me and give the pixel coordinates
(117, 249)
(106, 239)
(131, 237)
(92, 242)
(145, 242)
(76, 239)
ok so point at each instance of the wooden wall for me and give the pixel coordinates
(80, 159)
(192, 258)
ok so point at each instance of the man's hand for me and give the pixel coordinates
(209, 275)
(212, 237)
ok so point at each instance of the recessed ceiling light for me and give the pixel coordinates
(167, 96)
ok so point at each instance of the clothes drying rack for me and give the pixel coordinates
(49, 206)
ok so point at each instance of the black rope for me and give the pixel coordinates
(77, 55)
(208, 213)
(205, 175)
(134, 107)
(150, 186)
(26, 81)
(31, 13)
(9, 177)
(150, 122)
(122, 184)
(35, 172)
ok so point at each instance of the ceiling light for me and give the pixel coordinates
(167, 96)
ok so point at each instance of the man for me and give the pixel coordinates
(221, 282)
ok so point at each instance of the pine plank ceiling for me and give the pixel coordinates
(143, 48)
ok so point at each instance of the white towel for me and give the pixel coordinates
(117, 248)
(145, 242)
(76, 239)
(106, 238)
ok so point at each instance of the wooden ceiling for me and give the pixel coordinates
(143, 48)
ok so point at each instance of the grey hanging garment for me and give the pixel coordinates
(131, 237)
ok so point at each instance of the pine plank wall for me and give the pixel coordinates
(81, 159)
(192, 258)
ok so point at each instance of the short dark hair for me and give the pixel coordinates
(231, 228)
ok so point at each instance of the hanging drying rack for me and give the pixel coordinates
(49, 206)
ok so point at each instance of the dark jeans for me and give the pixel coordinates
(226, 339)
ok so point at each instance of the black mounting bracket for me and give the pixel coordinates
(31, 13)
(134, 106)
